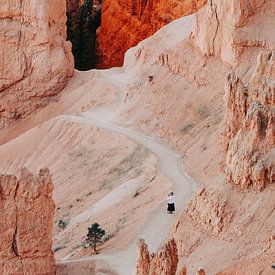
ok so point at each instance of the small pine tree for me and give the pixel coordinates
(62, 224)
(94, 236)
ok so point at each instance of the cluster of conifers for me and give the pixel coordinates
(81, 31)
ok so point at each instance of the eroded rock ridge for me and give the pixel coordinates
(248, 134)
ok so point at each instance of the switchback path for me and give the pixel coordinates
(156, 229)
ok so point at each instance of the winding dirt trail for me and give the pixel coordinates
(156, 229)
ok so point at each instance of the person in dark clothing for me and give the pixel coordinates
(171, 203)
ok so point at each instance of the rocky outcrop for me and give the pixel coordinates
(227, 28)
(209, 214)
(35, 59)
(248, 135)
(125, 23)
(263, 263)
(26, 220)
(210, 211)
(164, 262)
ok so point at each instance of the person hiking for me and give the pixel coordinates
(171, 203)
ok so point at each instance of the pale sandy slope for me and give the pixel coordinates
(87, 155)
(158, 224)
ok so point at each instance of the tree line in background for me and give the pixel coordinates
(81, 31)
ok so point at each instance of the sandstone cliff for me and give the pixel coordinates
(248, 129)
(35, 59)
(229, 28)
(125, 23)
(26, 220)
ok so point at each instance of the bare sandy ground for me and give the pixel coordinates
(56, 144)
(158, 225)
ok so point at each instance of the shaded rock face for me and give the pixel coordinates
(248, 134)
(126, 22)
(227, 28)
(72, 5)
(26, 220)
(165, 261)
(35, 58)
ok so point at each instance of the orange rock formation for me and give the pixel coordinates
(26, 220)
(164, 262)
(126, 22)
(35, 59)
(248, 130)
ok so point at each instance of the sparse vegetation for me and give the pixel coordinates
(63, 223)
(81, 31)
(57, 248)
(203, 112)
(108, 237)
(94, 236)
(186, 128)
(136, 193)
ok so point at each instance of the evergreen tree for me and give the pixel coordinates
(94, 236)
(81, 31)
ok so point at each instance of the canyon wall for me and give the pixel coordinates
(248, 134)
(126, 22)
(227, 29)
(222, 222)
(26, 221)
(35, 59)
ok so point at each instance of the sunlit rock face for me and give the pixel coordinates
(26, 220)
(248, 129)
(226, 29)
(35, 58)
(127, 22)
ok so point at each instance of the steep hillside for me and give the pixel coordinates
(119, 140)
(220, 223)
